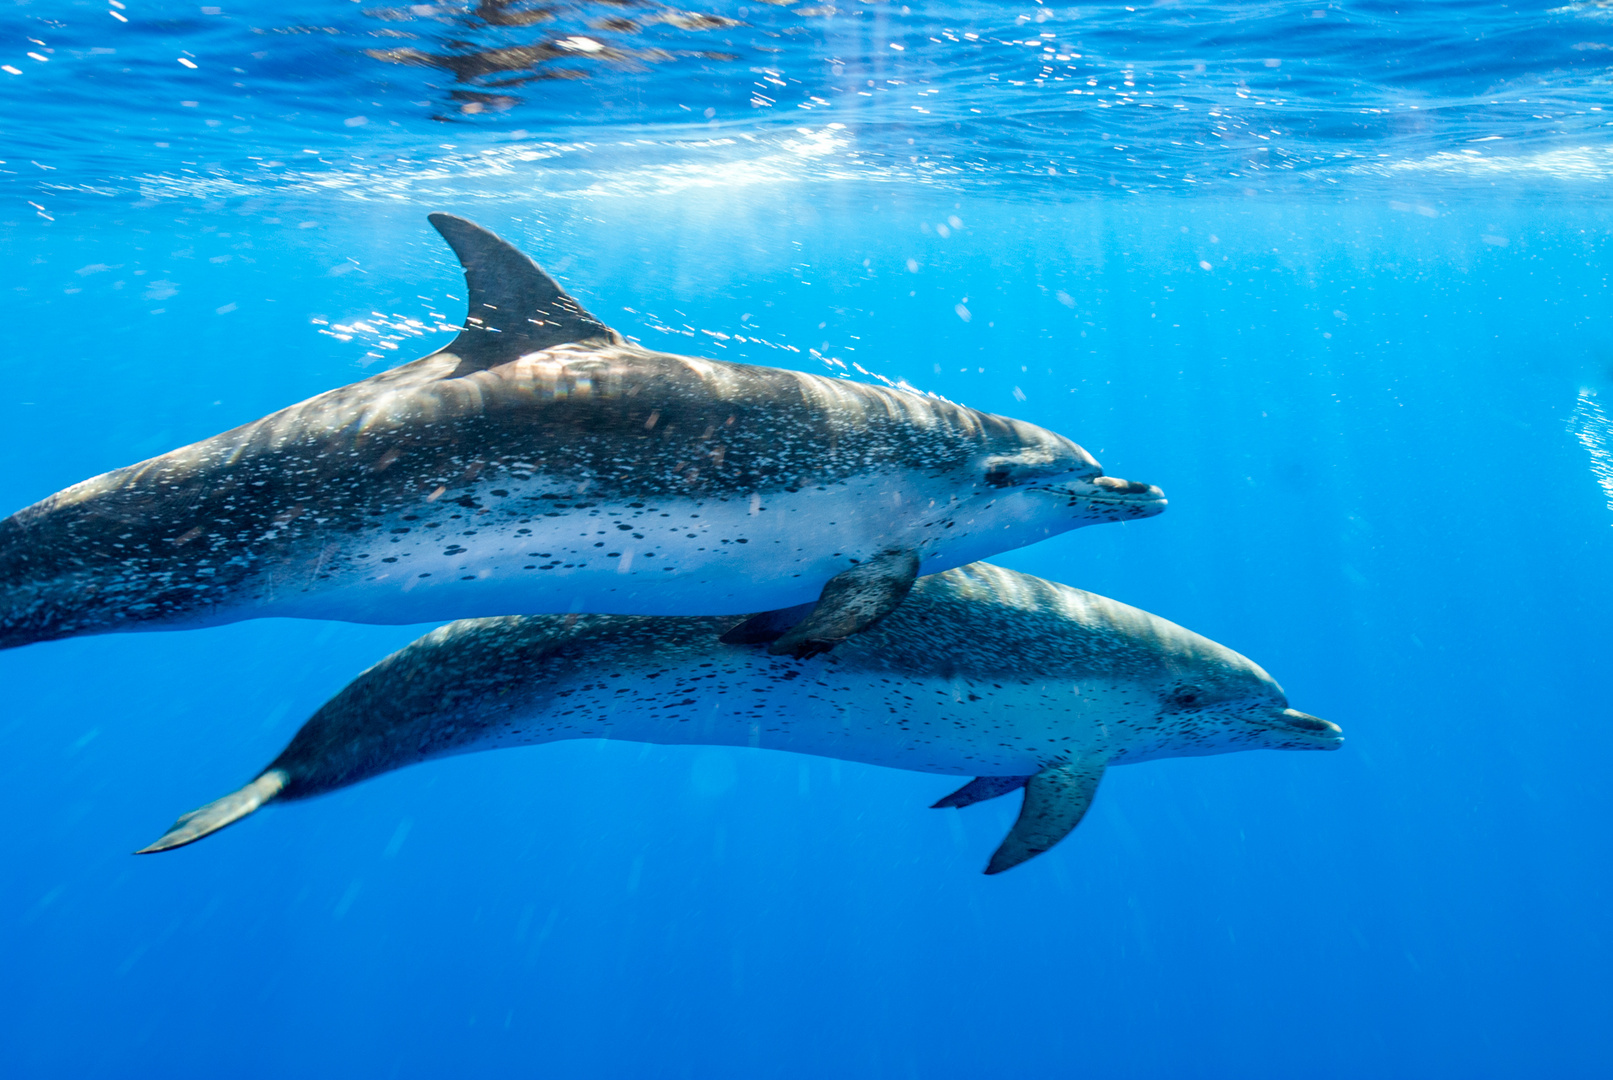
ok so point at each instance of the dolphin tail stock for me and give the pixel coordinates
(851, 602)
(41, 600)
(513, 307)
(980, 789)
(1056, 799)
(215, 815)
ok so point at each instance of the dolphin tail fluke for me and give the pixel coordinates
(215, 815)
(1056, 799)
(514, 308)
(980, 789)
(851, 602)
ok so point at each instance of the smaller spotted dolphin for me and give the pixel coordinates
(982, 672)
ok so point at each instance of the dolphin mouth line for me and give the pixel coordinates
(1323, 733)
(1108, 491)
(1123, 500)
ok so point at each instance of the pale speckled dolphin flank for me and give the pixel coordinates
(540, 463)
(981, 672)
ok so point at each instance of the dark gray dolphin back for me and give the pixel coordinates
(514, 307)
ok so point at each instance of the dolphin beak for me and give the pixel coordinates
(1111, 497)
(1309, 732)
(1128, 489)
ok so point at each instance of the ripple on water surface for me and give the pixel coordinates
(164, 99)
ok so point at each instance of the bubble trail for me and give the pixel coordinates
(1593, 429)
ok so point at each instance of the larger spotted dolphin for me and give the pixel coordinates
(540, 463)
(981, 672)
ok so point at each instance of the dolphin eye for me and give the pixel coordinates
(1185, 698)
(1000, 476)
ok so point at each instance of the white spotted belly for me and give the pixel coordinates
(676, 556)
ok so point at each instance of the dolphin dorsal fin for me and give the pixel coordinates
(514, 308)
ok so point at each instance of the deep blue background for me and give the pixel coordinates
(1395, 520)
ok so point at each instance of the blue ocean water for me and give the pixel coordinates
(1335, 276)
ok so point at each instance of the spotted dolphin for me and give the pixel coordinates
(983, 672)
(540, 463)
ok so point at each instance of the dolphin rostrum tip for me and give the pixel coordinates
(215, 815)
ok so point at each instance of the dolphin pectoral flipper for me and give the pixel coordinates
(767, 627)
(980, 789)
(850, 603)
(215, 815)
(514, 308)
(1055, 801)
